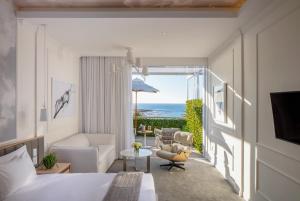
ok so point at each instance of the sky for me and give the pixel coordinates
(172, 89)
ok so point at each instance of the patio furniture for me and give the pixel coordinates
(164, 136)
(178, 152)
(139, 85)
(130, 153)
(145, 133)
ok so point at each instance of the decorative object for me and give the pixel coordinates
(49, 161)
(136, 146)
(63, 100)
(220, 105)
(137, 64)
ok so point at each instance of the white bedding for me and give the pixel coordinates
(76, 187)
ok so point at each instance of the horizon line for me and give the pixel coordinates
(159, 103)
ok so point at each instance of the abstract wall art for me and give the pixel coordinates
(220, 97)
(63, 99)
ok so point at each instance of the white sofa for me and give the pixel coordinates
(86, 152)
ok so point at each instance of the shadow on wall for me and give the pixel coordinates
(231, 180)
(217, 138)
(216, 131)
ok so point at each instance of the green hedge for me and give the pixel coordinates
(162, 122)
(194, 121)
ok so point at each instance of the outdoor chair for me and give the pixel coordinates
(177, 153)
(164, 136)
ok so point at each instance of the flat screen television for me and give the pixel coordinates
(286, 115)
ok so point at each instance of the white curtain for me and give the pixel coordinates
(105, 98)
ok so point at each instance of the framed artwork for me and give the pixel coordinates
(220, 103)
(63, 99)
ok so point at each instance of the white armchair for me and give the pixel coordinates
(86, 152)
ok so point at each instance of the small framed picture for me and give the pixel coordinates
(220, 102)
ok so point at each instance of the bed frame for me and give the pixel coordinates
(32, 143)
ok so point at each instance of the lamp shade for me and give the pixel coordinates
(43, 115)
(138, 62)
(145, 71)
(129, 56)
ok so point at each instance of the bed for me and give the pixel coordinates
(76, 187)
(19, 182)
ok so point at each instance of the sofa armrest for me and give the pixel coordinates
(101, 139)
(83, 159)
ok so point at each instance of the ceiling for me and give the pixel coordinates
(148, 37)
(169, 4)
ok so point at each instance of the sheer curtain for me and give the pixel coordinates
(105, 98)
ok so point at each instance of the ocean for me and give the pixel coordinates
(161, 110)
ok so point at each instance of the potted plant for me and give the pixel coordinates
(49, 161)
(136, 146)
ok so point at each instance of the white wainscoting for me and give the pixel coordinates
(278, 162)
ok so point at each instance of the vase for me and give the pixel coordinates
(136, 150)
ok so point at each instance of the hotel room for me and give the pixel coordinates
(68, 126)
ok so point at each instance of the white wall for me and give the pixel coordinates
(63, 65)
(224, 138)
(267, 168)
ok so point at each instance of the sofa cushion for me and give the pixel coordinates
(107, 156)
(78, 140)
(104, 150)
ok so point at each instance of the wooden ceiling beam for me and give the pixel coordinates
(128, 4)
(128, 13)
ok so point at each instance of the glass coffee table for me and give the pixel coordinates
(130, 153)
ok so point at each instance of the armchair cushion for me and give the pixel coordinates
(176, 157)
(184, 138)
(166, 147)
(177, 148)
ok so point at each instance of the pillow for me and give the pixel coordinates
(166, 147)
(16, 170)
(177, 148)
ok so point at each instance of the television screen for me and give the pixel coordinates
(286, 115)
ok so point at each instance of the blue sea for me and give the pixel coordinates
(161, 109)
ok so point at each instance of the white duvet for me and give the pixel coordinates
(76, 187)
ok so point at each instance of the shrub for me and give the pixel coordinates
(49, 161)
(194, 121)
(162, 122)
